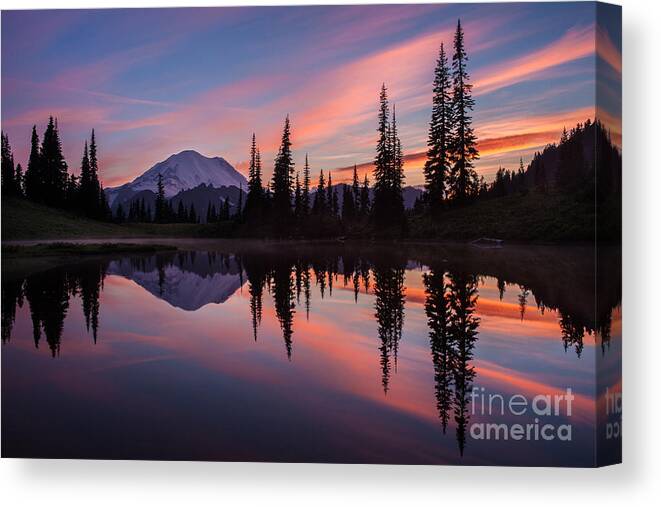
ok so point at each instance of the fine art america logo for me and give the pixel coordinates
(526, 419)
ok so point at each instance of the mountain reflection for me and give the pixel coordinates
(299, 279)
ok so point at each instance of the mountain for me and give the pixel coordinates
(182, 171)
(189, 280)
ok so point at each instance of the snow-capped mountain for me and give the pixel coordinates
(182, 171)
(185, 282)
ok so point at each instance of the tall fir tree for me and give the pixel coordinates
(283, 179)
(382, 160)
(20, 187)
(54, 167)
(87, 193)
(355, 188)
(305, 191)
(388, 205)
(463, 178)
(34, 186)
(319, 206)
(329, 195)
(365, 207)
(255, 199)
(298, 199)
(440, 141)
(160, 204)
(9, 186)
(397, 171)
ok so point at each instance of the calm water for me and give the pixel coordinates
(328, 353)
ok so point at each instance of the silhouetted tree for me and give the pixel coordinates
(319, 205)
(159, 206)
(440, 141)
(365, 207)
(283, 179)
(305, 192)
(463, 178)
(33, 174)
(9, 185)
(53, 166)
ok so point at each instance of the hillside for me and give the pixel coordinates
(24, 220)
(533, 217)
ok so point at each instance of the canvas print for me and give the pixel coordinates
(338, 234)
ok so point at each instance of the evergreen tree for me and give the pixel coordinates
(54, 166)
(463, 178)
(160, 205)
(88, 193)
(20, 186)
(383, 159)
(348, 204)
(329, 195)
(397, 170)
(72, 193)
(319, 206)
(255, 199)
(355, 188)
(9, 186)
(298, 199)
(388, 206)
(335, 203)
(305, 192)
(181, 212)
(33, 174)
(97, 195)
(282, 179)
(192, 214)
(365, 197)
(440, 140)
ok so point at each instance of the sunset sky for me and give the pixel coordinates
(153, 82)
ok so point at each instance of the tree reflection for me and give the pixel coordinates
(12, 296)
(437, 308)
(453, 327)
(389, 306)
(282, 287)
(48, 296)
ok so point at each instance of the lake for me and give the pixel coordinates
(249, 351)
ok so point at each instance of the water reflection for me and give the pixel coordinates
(440, 287)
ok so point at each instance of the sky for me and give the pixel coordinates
(153, 82)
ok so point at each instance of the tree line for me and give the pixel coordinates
(287, 202)
(47, 180)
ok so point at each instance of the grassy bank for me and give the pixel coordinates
(534, 217)
(24, 220)
(60, 249)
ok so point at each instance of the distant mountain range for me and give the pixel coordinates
(195, 179)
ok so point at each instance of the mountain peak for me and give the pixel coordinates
(182, 171)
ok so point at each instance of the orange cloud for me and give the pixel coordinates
(574, 44)
(607, 51)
